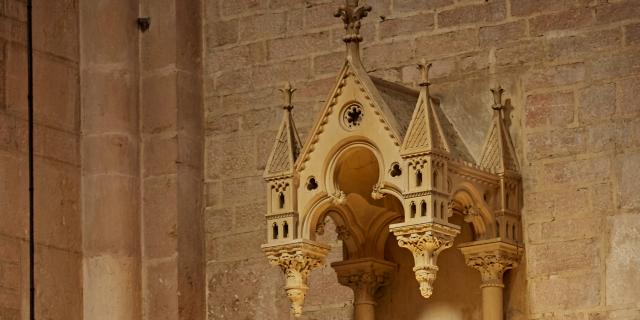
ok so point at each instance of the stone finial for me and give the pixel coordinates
(424, 67)
(497, 97)
(351, 14)
(288, 91)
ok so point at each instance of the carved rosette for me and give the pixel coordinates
(425, 241)
(492, 259)
(364, 277)
(296, 259)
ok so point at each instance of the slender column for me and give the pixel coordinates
(492, 259)
(296, 259)
(364, 277)
(425, 241)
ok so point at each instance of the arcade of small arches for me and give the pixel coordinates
(381, 176)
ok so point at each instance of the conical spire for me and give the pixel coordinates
(351, 15)
(498, 154)
(287, 145)
(425, 132)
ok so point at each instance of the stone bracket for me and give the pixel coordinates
(296, 259)
(425, 241)
(364, 277)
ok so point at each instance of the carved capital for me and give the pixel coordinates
(492, 259)
(364, 277)
(296, 259)
(425, 241)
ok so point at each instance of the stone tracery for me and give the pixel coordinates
(381, 172)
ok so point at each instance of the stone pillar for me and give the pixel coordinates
(426, 241)
(297, 259)
(492, 259)
(364, 277)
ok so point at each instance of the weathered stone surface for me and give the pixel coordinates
(597, 103)
(622, 279)
(400, 26)
(549, 109)
(573, 18)
(575, 255)
(560, 75)
(448, 43)
(569, 292)
(493, 11)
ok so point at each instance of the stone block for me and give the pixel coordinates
(234, 81)
(14, 201)
(259, 291)
(110, 215)
(255, 99)
(503, 33)
(615, 315)
(488, 12)
(161, 294)
(300, 45)
(574, 46)
(554, 109)
(240, 246)
(618, 11)
(236, 7)
(387, 55)
(222, 125)
(271, 74)
(10, 276)
(108, 101)
(57, 29)
(565, 256)
(268, 25)
(529, 52)
(632, 34)
(219, 33)
(160, 155)
(57, 197)
(159, 46)
(419, 5)
(10, 250)
(213, 192)
(564, 230)
(527, 8)
(622, 274)
(629, 183)
(120, 277)
(449, 43)
(560, 75)
(567, 292)
(234, 156)
(570, 19)
(219, 221)
(261, 119)
(556, 143)
(159, 218)
(60, 284)
(250, 217)
(628, 105)
(592, 170)
(110, 154)
(320, 15)
(403, 26)
(159, 103)
(57, 145)
(618, 64)
(328, 64)
(109, 37)
(223, 59)
(597, 103)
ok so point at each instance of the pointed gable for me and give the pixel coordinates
(498, 153)
(287, 145)
(429, 129)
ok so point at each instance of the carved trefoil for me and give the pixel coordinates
(384, 160)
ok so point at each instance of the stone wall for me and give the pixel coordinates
(570, 69)
(58, 182)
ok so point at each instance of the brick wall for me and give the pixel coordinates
(571, 69)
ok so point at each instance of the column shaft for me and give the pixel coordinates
(492, 303)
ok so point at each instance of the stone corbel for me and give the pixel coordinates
(364, 277)
(425, 241)
(296, 259)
